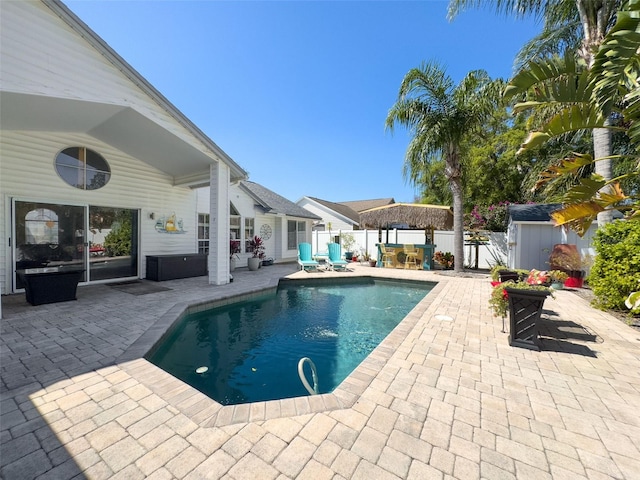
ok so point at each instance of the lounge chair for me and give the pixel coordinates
(306, 262)
(335, 258)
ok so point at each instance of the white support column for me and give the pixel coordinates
(219, 224)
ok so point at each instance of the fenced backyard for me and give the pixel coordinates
(487, 254)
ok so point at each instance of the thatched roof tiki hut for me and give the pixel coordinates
(415, 215)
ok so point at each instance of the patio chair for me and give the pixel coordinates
(411, 256)
(387, 256)
(306, 262)
(335, 258)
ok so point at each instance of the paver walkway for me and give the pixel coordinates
(443, 397)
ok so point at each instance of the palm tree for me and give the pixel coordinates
(563, 19)
(439, 116)
(611, 86)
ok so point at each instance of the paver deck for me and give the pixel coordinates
(443, 397)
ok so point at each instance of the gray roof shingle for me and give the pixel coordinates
(274, 203)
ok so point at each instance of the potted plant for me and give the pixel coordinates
(524, 303)
(558, 277)
(367, 258)
(445, 259)
(348, 241)
(502, 273)
(256, 245)
(539, 277)
(566, 258)
(234, 250)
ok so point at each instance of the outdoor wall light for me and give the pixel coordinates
(152, 215)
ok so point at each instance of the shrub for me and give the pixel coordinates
(117, 242)
(499, 300)
(616, 269)
(488, 217)
(445, 259)
(558, 276)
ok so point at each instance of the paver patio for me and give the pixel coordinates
(443, 397)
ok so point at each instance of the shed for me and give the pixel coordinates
(531, 235)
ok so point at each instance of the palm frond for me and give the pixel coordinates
(536, 75)
(552, 39)
(616, 67)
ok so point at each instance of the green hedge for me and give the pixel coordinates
(616, 269)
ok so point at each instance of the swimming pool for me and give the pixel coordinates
(249, 351)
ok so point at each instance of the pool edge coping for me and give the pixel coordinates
(206, 412)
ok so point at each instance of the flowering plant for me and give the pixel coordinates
(257, 247)
(488, 217)
(538, 277)
(445, 259)
(234, 248)
(499, 300)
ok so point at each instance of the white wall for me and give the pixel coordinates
(27, 173)
(327, 215)
(276, 246)
(42, 55)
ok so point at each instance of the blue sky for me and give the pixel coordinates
(297, 92)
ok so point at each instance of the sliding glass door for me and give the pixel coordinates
(48, 235)
(113, 243)
(103, 241)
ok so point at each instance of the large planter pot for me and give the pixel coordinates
(253, 263)
(575, 280)
(505, 275)
(348, 256)
(525, 307)
(232, 264)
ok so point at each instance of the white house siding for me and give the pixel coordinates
(45, 57)
(27, 172)
(276, 247)
(327, 215)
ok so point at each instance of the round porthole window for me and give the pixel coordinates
(83, 168)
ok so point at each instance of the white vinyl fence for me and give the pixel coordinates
(366, 240)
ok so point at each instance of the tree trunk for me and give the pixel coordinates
(595, 17)
(601, 149)
(458, 224)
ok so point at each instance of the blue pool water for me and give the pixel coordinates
(251, 349)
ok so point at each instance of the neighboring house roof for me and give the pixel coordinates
(532, 212)
(362, 205)
(416, 215)
(274, 203)
(339, 208)
(187, 159)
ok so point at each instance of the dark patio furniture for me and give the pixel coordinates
(50, 284)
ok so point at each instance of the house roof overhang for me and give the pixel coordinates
(122, 127)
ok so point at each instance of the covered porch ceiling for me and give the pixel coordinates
(123, 128)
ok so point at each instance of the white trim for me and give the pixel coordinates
(330, 211)
(82, 29)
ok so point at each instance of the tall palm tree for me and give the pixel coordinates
(611, 86)
(563, 20)
(439, 116)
